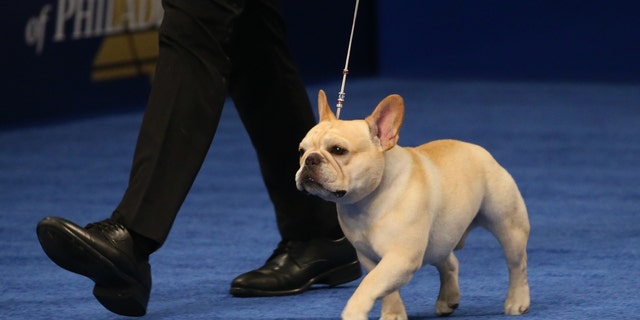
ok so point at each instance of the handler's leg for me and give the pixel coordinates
(273, 104)
(184, 106)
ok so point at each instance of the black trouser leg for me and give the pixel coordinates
(181, 118)
(273, 104)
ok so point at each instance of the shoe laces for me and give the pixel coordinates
(106, 225)
(283, 247)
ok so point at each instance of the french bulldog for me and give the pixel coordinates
(404, 207)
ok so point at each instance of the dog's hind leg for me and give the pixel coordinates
(514, 242)
(449, 296)
(505, 215)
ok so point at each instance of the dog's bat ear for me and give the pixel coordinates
(386, 120)
(324, 110)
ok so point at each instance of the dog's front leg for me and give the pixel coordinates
(449, 296)
(393, 307)
(392, 272)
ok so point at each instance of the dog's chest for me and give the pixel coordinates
(367, 238)
(366, 246)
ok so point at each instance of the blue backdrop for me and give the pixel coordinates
(56, 47)
(541, 40)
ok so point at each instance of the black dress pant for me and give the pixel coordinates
(210, 49)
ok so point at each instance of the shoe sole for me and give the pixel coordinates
(334, 277)
(117, 291)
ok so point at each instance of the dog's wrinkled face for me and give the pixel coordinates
(339, 161)
(343, 161)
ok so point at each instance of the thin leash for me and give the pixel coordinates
(345, 71)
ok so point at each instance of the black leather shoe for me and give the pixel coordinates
(103, 252)
(296, 265)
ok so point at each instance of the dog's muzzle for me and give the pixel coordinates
(310, 166)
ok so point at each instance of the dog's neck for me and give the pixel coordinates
(373, 204)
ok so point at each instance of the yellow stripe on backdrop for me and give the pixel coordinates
(131, 52)
(126, 55)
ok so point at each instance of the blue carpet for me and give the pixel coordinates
(574, 149)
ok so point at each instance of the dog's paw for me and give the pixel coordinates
(514, 309)
(448, 300)
(350, 315)
(394, 317)
(517, 301)
(444, 308)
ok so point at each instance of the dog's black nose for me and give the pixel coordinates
(340, 193)
(313, 159)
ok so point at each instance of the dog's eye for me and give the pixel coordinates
(301, 152)
(338, 150)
